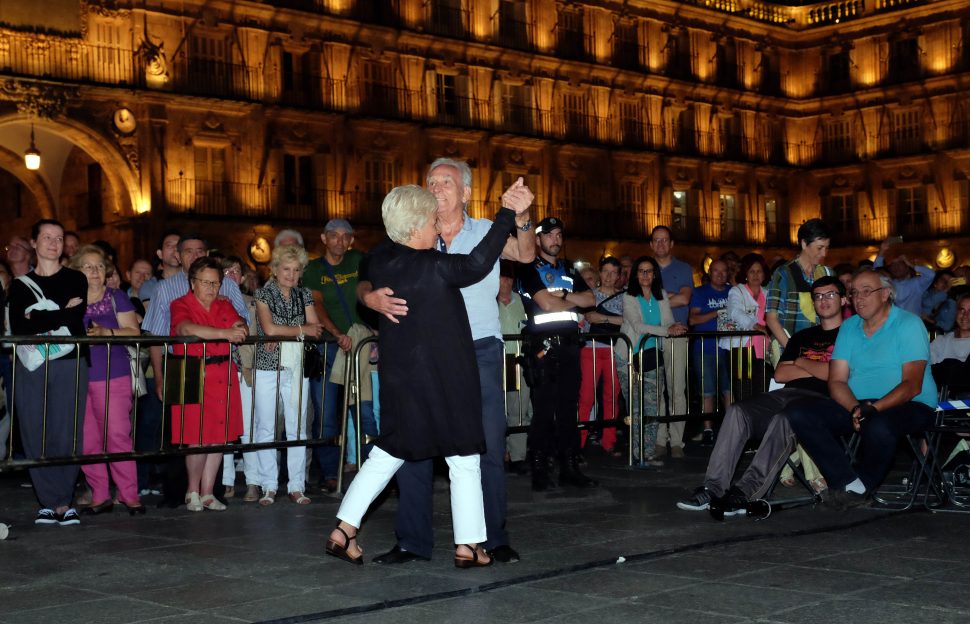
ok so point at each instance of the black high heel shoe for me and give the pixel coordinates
(340, 550)
(134, 510)
(105, 506)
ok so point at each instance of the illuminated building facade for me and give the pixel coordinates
(733, 121)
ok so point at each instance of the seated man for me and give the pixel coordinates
(804, 369)
(880, 386)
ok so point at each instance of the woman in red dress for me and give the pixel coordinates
(203, 314)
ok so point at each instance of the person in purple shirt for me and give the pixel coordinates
(109, 313)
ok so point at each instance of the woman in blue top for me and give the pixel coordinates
(646, 313)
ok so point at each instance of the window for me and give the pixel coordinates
(727, 64)
(517, 110)
(378, 92)
(451, 99)
(771, 219)
(513, 29)
(837, 141)
(731, 226)
(907, 132)
(447, 18)
(678, 213)
(732, 137)
(379, 177)
(631, 123)
(836, 77)
(904, 60)
(209, 68)
(211, 189)
(679, 55)
(626, 47)
(770, 74)
(574, 116)
(839, 213)
(571, 39)
(298, 180)
(298, 83)
(631, 198)
(110, 52)
(573, 197)
(911, 208)
(686, 140)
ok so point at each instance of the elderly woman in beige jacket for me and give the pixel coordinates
(647, 316)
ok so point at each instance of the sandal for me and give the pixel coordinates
(477, 560)
(212, 503)
(340, 551)
(819, 485)
(252, 494)
(268, 498)
(299, 498)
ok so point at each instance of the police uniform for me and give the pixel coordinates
(552, 358)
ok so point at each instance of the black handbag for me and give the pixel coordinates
(312, 360)
(183, 380)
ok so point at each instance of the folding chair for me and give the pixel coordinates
(952, 494)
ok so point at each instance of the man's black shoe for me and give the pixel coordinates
(540, 473)
(570, 474)
(843, 500)
(396, 555)
(504, 554)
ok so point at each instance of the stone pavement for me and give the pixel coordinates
(268, 565)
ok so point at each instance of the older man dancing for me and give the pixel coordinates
(880, 386)
(450, 181)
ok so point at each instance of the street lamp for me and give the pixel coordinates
(32, 155)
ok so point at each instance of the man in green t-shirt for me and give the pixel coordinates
(333, 279)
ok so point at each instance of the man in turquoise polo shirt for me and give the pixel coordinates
(880, 386)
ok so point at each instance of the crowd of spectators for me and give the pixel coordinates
(259, 393)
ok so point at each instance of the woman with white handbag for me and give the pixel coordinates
(51, 381)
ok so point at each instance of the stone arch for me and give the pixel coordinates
(14, 164)
(100, 147)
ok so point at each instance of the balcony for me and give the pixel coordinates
(217, 78)
(213, 198)
(69, 60)
(461, 111)
(574, 45)
(838, 152)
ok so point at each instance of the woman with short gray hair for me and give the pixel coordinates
(283, 309)
(429, 387)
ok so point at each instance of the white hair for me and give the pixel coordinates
(405, 210)
(463, 169)
(288, 234)
(884, 281)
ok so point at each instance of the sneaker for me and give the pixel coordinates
(700, 500)
(46, 516)
(70, 517)
(733, 503)
(707, 438)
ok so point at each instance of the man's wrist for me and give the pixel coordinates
(525, 227)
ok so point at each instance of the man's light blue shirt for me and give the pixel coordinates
(876, 362)
(480, 298)
(158, 319)
(909, 291)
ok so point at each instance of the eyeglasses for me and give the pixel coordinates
(93, 267)
(645, 272)
(207, 283)
(832, 294)
(864, 292)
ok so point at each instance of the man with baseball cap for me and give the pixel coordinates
(552, 292)
(333, 280)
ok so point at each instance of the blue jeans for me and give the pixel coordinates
(324, 422)
(368, 427)
(712, 376)
(819, 425)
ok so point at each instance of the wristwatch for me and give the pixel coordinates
(525, 227)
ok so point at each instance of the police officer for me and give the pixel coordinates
(552, 291)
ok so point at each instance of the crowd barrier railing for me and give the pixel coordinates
(179, 387)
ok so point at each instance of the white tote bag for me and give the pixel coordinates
(33, 355)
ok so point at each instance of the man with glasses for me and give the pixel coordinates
(19, 254)
(880, 386)
(804, 369)
(158, 320)
(678, 281)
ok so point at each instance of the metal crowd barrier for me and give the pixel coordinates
(170, 362)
